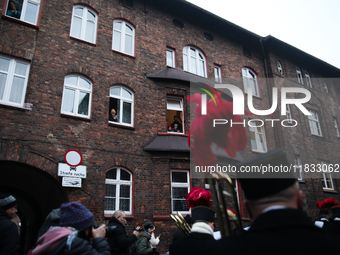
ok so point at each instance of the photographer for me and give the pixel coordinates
(120, 242)
(74, 233)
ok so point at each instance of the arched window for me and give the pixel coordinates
(279, 67)
(123, 38)
(308, 80)
(194, 61)
(77, 96)
(250, 79)
(121, 101)
(84, 24)
(299, 75)
(118, 191)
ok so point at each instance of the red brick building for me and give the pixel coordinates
(65, 66)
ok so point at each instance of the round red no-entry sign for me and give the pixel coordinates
(73, 158)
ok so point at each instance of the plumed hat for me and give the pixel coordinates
(198, 197)
(75, 215)
(7, 201)
(203, 213)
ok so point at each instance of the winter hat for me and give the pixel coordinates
(148, 224)
(75, 215)
(7, 201)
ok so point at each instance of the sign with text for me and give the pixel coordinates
(69, 171)
(71, 182)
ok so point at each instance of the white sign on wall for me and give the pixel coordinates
(70, 171)
(71, 182)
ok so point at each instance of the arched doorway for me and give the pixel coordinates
(37, 193)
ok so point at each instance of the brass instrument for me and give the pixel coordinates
(181, 223)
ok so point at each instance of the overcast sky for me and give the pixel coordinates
(313, 26)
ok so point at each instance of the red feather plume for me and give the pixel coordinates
(327, 204)
(198, 197)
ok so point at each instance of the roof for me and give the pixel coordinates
(168, 142)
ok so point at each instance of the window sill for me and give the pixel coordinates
(161, 217)
(22, 108)
(260, 152)
(302, 181)
(74, 117)
(330, 191)
(83, 41)
(124, 54)
(20, 21)
(172, 133)
(128, 217)
(114, 124)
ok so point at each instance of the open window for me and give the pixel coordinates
(121, 106)
(24, 10)
(175, 115)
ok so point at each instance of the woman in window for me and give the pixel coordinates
(12, 11)
(113, 115)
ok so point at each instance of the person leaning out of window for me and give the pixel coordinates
(12, 11)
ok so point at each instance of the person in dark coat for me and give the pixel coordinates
(73, 235)
(323, 219)
(334, 226)
(201, 239)
(279, 224)
(143, 246)
(120, 242)
(9, 235)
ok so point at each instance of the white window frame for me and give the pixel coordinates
(314, 123)
(170, 57)
(218, 73)
(299, 75)
(279, 67)
(77, 90)
(336, 127)
(123, 34)
(325, 175)
(308, 80)
(289, 114)
(195, 63)
(118, 183)
(174, 108)
(11, 74)
(84, 23)
(179, 185)
(123, 99)
(261, 146)
(24, 10)
(250, 78)
(298, 167)
(326, 87)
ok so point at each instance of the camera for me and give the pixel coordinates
(110, 230)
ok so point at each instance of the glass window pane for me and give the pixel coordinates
(116, 40)
(179, 192)
(179, 177)
(72, 80)
(124, 175)
(84, 83)
(110, 204)
(31, 12)
(68, 100)
(117, 25)
(128, 44)
(110, 190)
(193, 65)
(179, 205)
(84, 101)
(20, 69)
(91, 16)
(114, 91)
(124, 204)
(128, 29)
(78, 11)
(126, 112)
(89, 34)
(126, 94)
(111, 174)
(17, 90)
(76, 27)
(4, 64)
(3, 78)
(124, 191)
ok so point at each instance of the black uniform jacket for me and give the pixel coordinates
(283, 231)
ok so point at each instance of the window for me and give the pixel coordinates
(250, 80)
(298, 168)
(170, 57)
(194, 61)
(257, 137)
(24, 10)
(121, 100)
(180, 187)
(308, 80)
(289, 114)
(118, 191)
(175, 113)
(218, 74)
(314, 123)
(326, 87)
(84, 24)
(327, 180)
(77, 96)
(299, 75)
(13, 80)
(336, 127)
(123, 38)
(279, 67)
